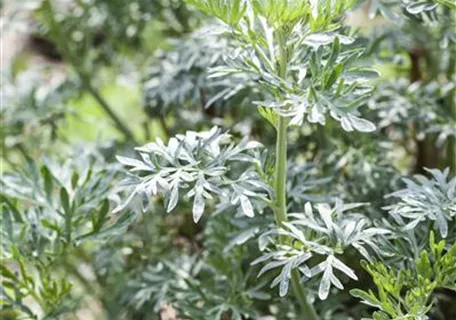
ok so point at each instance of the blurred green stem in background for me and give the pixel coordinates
(451, 151)
(84, 76)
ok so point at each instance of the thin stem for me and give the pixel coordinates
(165, 127)
(35, 296)
(280, 212)
(451, 149)
(87, 84)
(281, 172)
(307, 309)
(107, 109)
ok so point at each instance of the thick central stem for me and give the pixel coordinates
(280, 213)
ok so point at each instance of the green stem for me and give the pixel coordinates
(165, 127)
(61, 44)
(107, 109)
(452, 154)
(307, 309)
(281, 172)
(280, 212)
(451, 151)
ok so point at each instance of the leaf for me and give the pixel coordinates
(51, 225)
(326, 214)
(5, 272)
(424, 265)
(449, 3)
(285, 278)
(321, 39)
(336, 263)
(48, 185)
(74, 180)
(334, 75)
(361, 74)
(173, 198)
(197, 162)
(367, 298)
(241, 238)
(130, 162)
(418, 7)
(98, 222)
(325, 283)
(362, 125)
(391, 15)
(308, 210)
(115, 229)
(246, 205)
(198, 206)
(65, 201)
(270, 115)
(269, 266)
(15, 212)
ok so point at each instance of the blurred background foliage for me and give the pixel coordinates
(85, 80)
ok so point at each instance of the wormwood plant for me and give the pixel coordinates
(284, 234)
(301, 58)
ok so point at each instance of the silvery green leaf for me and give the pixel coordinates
(319, 268)
(421, 6)
(442, 223)
(298, 234)
(361, 74)
(173, 198)
(242, 238)
(136, 164)
(345, 40)
(351, 206)
(336, 282)
(198, 163)
(305, 271)
(346, 124)
(336, 263)
(325, 283)
(361, 125)
(198, 206)
(425, 199)
(308, 210)
(267, 237)
(319, 39)
(322, 39)
(246, 205)
(368, 233)
(317, 115)
(263, 258)
(362, 251)
(285, 278)
(326, 214)
(301, 75)
(271, 265)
